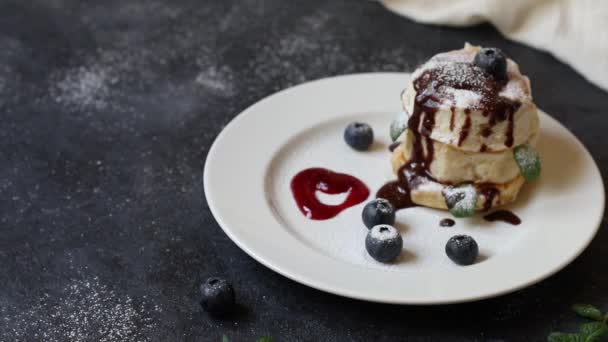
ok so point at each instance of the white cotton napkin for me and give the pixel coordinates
(574, 31)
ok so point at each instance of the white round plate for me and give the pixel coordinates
(247, 185)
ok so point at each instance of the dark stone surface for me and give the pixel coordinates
(107, 111)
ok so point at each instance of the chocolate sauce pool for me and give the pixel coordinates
(447, 222)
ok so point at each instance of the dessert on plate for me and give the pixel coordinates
(467, 132)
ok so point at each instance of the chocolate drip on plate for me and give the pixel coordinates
(503, 215)
(447, 222)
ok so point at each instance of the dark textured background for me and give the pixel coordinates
(107, 111)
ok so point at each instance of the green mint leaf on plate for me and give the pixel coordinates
(588, 311)
(563, 337)
(398, 125)
(528, 161)
(266, 339)
(225, 338)
(593, 332)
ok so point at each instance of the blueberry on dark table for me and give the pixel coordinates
(493, 61)
(378, 211)
(218, 296)
(383, 243)
(462, 249)
(359, 136)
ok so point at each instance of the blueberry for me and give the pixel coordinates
(359, 136)
(493, 61)
(462, 249)
(383, 243)
(378, 211)
(218, 296)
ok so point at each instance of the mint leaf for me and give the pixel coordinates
(563, 337)
(399, 125)
(588, 311)
(266, 339)
(593, 332)
(460, 200)
(225, 338)
(528, 161)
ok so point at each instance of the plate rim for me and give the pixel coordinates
(302, 279)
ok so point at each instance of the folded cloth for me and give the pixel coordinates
(574, 31)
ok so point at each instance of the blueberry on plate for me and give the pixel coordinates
(462, 249)
(493, 61)
(359, 136)
(218, 296)
(378, 211)
(383, 243)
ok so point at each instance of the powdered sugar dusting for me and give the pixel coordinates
(515, 90)
(217, 79)
(464, 198)
(462, 85)
(458, 74)
(85, 310)
(455, 69)
(527, 157)
(457, 56)
(445, 58)
(83, 87)
(384, 232)
(464, 98)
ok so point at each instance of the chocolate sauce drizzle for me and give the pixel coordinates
(509, 140)
(431, 87)
(489, 192)
(416, 170)
(397, 193)
(453, 110)
(467, 76)
(464, 131)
